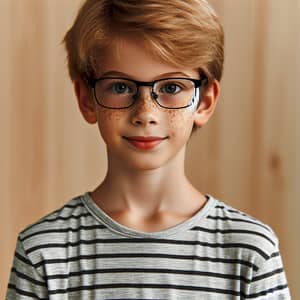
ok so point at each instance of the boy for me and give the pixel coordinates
(147, 73)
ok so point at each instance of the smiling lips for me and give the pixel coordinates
(145, 143)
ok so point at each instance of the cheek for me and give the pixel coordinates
(180, 120)
(109, 115)
(107, 120)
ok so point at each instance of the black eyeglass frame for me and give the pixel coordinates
(198, 83)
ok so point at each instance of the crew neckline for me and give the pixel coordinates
(118, 228)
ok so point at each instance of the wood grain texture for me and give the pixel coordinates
(246, 155)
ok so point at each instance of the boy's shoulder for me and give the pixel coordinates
(55, 226)
(235, 228)
(73, 209)
(234, 217)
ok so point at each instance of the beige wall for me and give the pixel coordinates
(246, 155)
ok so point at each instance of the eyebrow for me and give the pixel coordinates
(164, 75)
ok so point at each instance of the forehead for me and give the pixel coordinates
(129, 57)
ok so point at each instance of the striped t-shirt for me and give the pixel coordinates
(79, 252)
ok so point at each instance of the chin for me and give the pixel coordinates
(145, 164)
(152, 162)
(149, 161)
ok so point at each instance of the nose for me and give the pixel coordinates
(145, 110)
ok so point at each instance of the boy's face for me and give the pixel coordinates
(124, 130)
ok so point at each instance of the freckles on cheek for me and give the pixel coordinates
(109, 115)
(179, 119)
(108, 119)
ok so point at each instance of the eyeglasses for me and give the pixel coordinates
(170, 93)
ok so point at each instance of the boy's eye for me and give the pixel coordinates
(170, 88)
(120, 88)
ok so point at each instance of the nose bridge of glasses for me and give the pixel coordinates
(148, 91)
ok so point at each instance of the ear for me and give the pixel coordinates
(209, 99)
(85, 101)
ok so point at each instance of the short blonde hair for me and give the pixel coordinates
(180, 32)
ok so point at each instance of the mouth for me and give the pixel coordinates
(145, 142)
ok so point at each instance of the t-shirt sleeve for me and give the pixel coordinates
(269, 281)
(25, 282)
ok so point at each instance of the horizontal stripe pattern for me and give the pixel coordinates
(79, 252)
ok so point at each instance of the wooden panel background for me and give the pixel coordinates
(246, 155)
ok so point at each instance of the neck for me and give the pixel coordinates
(145, 192)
